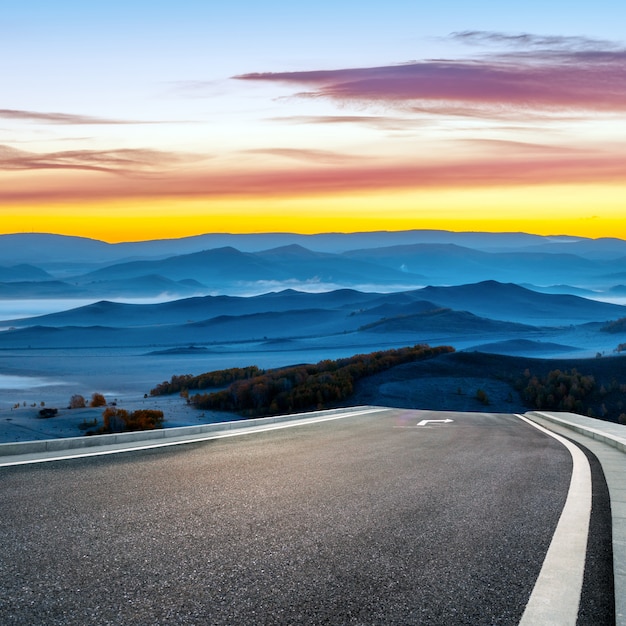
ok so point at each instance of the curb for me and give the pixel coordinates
(585, 426)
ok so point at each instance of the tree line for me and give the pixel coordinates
(557, 391)
(571, 391)
(310, 386)
(208, 380)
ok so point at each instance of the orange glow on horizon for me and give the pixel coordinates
(542, 210)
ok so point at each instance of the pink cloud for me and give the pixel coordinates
(121, 161)
(579, 78)
(70, 119)
(380, 122)
(514, 165)
(306, 155)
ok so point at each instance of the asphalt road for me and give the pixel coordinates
(363, 520)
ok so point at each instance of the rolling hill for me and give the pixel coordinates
(23, 272)
(488, 299)
(453, 264)
(256, 264)
(511, 302)
(462, 316)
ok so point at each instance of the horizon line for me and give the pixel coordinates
(309, 234)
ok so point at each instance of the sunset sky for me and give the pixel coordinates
(140, 120)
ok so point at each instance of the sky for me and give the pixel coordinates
(136, 120)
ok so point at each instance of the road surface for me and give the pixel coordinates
(384, 518)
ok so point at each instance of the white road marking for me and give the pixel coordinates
(426, 422)
(556, 596)
(192, 439)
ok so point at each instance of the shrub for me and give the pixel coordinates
(114, 420)
(77, 402)
(481, 396)
(119, 420)
(616, 326)
(145, 419)
(97, 399)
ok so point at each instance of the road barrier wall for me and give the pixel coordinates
(93, 441)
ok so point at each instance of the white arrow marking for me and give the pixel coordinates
(425, 422)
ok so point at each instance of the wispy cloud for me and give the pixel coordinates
(70, 119)
(380, 122)
(502, 167)
(509, 147)
(530, 40)
(553, 74)
(307, 155)
(123, 161)
(521, 167)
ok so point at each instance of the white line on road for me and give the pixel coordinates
(426, 422)
(192, 439)
(556, 595)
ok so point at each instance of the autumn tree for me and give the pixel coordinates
(301, 387)
(97, 399)
(120, 420)
(208, 380)
(558, 390)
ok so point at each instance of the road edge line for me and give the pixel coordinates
(555, 598)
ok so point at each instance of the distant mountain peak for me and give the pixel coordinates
(294, 250)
